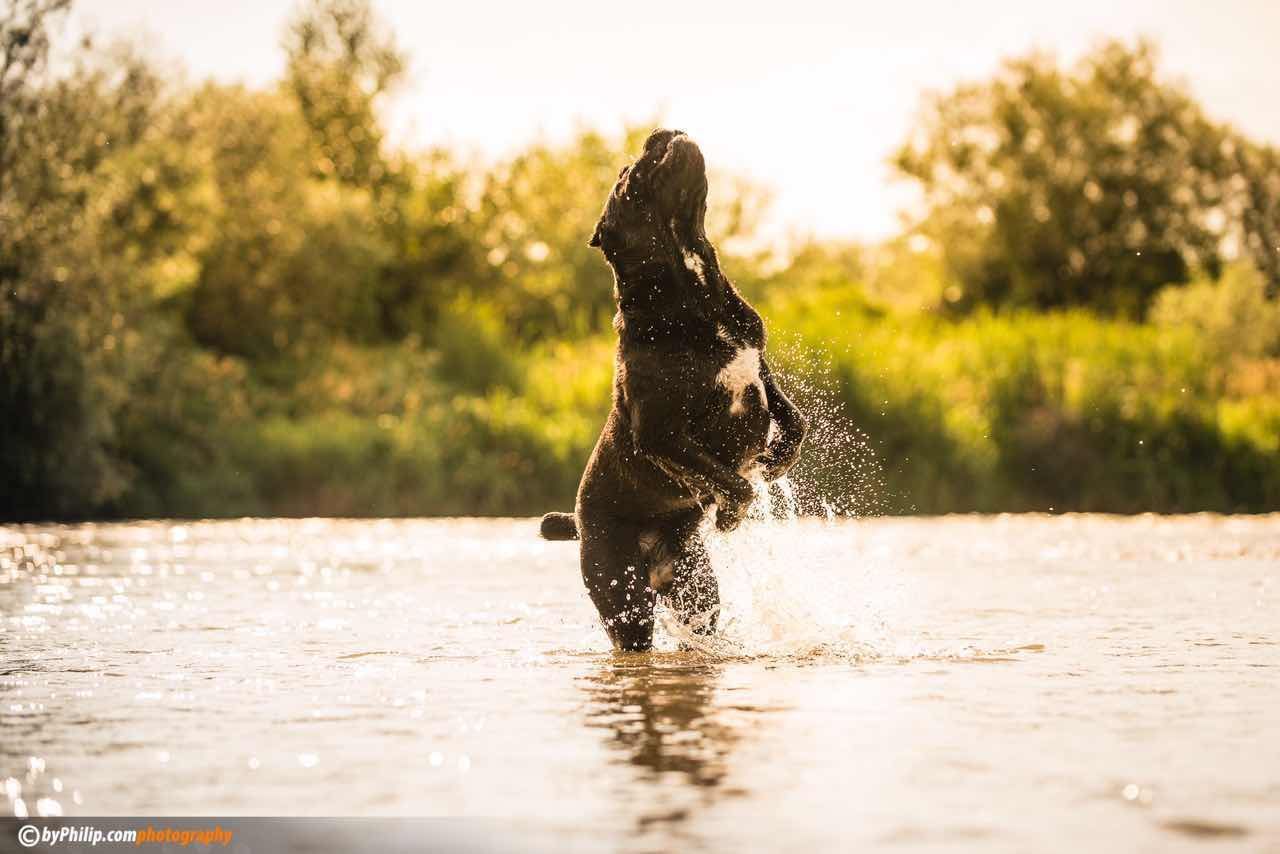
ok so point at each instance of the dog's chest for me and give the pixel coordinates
(741, 373)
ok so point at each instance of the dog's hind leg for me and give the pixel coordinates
(690, 588)
(615, 571)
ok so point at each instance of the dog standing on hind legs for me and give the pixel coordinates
(695, 414)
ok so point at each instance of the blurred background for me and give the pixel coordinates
(274, 261)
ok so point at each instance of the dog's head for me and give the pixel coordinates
(658, 200)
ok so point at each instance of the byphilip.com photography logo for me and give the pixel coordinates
(29, 836)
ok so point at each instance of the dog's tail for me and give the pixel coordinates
(559, 526)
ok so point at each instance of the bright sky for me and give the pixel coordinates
(805, 97)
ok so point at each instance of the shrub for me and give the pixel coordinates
(1232, 316)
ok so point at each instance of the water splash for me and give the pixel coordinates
(793, 588)
(841, 472)
(797, 581)
(793, 582)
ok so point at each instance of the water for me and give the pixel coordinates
(1006, 683)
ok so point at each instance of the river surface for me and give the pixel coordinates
(1012, 683)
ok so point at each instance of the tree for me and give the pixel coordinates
(1092, 186)
(84, 230)
(341, 61)
(386, 252)
(1256, 201)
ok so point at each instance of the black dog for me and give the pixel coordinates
(694, 405)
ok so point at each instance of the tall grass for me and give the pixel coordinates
(1043, 412)
(994, 413)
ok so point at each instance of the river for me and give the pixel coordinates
(1008, 683)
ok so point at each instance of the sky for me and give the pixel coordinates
(806, 98)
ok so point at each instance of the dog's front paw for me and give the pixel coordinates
(774, 465)
(729, 515)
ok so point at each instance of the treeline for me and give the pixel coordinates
(217, 300)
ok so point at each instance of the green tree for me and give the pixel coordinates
(1093, 186)
(1256, 203)
(93, 222)
(24, 52)
(321, 234)
(290, 259)
(531, 226)
(341, 61)
(294, 260)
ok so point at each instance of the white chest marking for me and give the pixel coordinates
(693, 262)
(739, 375)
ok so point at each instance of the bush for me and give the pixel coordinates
(1038, 412)
(223, 300)
(1231, 316)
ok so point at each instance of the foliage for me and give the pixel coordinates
(1232, 316)
(220, 300)
(1092, 186)
(1256, 202)
(1040, 412)
(994, 413)
(85, 234)
(341, 61)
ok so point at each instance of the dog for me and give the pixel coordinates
(696, 411)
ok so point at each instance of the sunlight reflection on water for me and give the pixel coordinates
(910, 682)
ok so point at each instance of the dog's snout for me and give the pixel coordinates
(673, 150)
(668, 180)
(681, 144)
(682, 159)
